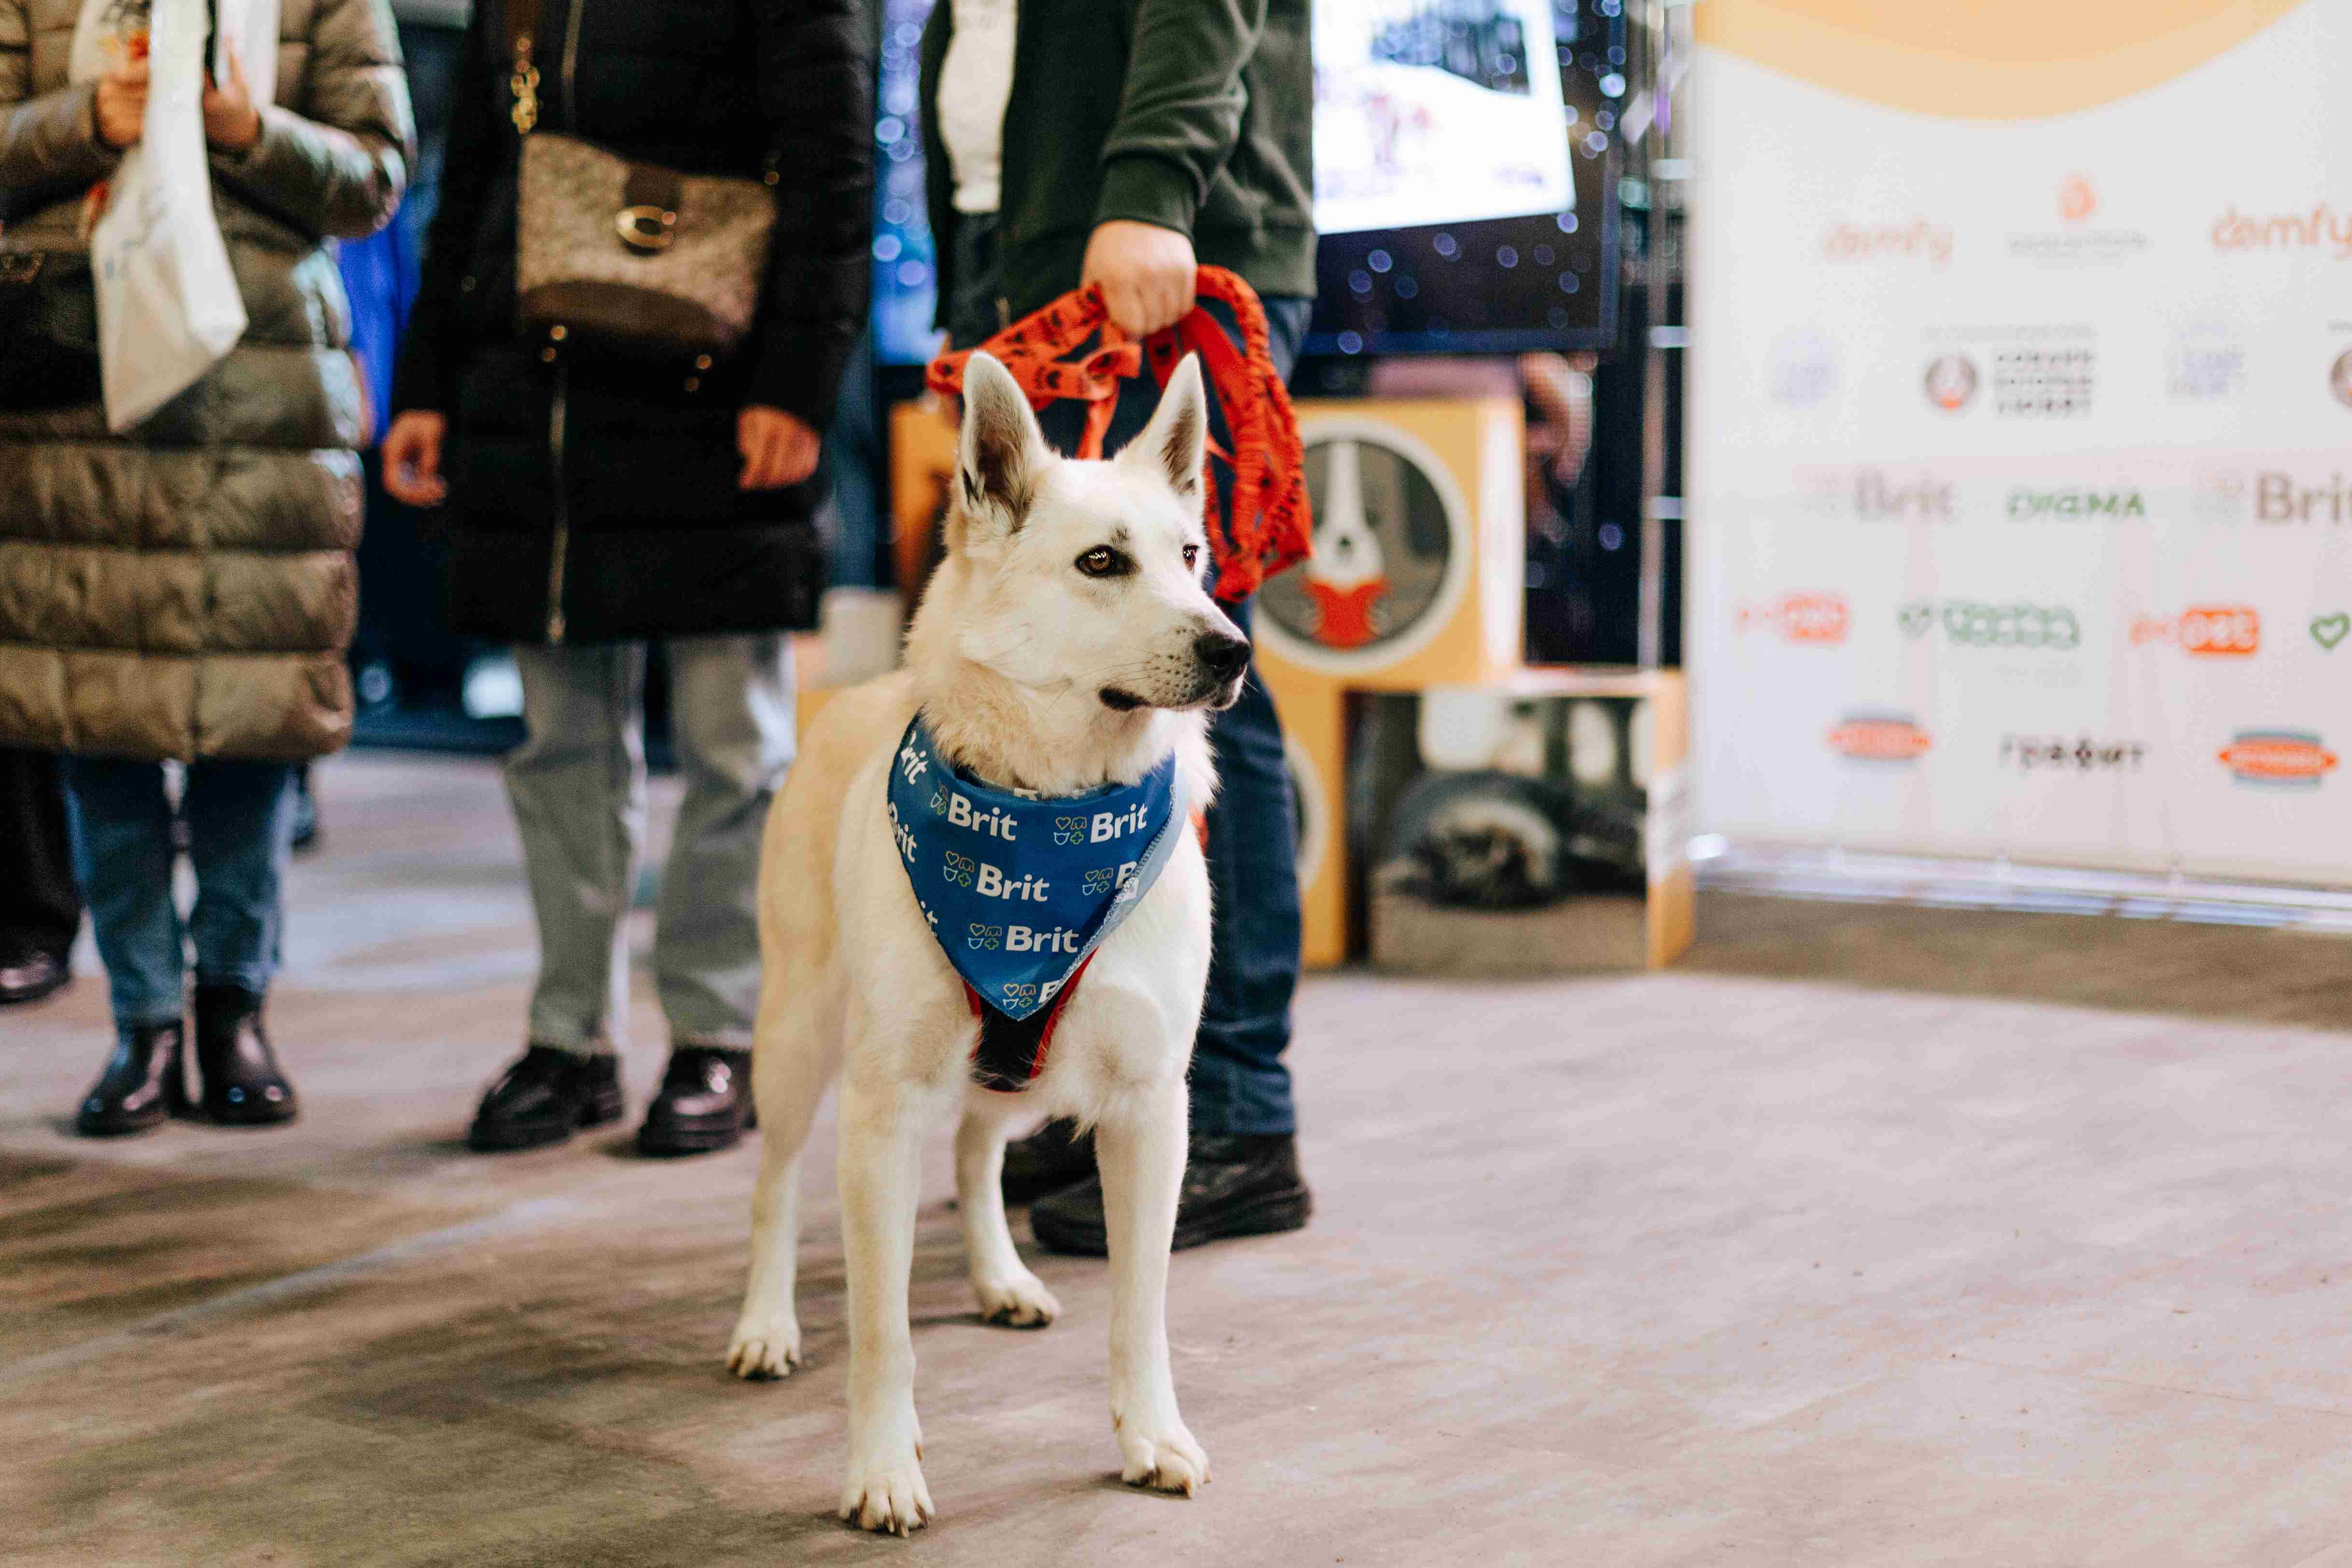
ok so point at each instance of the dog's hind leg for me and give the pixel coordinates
(881, 1137)
(1141, 1150)
(1008, 1294)
(789, 1075)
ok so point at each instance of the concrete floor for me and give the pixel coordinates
(1866, 1237)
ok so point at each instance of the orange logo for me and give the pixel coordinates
(2076, 200)
(1817, 618)
(1879, 738)
(2229, 631)
(2290, 759)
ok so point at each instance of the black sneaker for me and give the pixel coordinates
(544, 1096)
(1235, 1185)
(1056, 1155)
(704, 1105)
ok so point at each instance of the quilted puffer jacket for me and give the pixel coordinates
(187, 590)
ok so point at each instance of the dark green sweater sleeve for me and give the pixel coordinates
(1180, 112)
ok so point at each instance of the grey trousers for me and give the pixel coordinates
(578, 784)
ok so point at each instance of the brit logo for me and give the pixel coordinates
(1042, 939)
(902, 835)
(995, 822)
(1101, 879)
(1018, 990)
(960, 868)
(912, 761)
(2277, 759)
(1069, 830)
(984, 937)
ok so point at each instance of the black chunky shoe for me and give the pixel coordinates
(543, 1097)
(704, 1105)
(1056, 1155)
(141, 1083)
(29, 973)
(1235, 1185)
(242, 1084)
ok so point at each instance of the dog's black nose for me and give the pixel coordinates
(1222, 654)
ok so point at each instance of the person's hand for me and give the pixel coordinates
(779, 448)
(232, 123)
(122, 105)
(412, 458)
(1146, 274)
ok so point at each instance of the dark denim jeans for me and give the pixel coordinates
(1239, 1082)
(240, 819)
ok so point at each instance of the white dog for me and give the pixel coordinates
(1067, 644)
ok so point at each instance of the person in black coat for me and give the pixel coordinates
(597, 502)
(40, 904)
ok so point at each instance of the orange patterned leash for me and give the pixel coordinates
(1270, 526)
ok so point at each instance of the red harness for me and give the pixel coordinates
(1269, 527)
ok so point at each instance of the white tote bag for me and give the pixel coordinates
(168, 309)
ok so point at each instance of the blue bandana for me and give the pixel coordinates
(1019, 890)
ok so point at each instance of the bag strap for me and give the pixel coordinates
(522, 33)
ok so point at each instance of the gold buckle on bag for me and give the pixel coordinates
(648, 231)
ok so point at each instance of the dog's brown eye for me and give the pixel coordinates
(1102, 561)
(1191, 557)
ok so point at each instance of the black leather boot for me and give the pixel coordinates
(1056, 1155)
(1235, 1185)
(544, 1096)
(29, 973)
(704, 1105)
(242, 1084)
(140, 1086)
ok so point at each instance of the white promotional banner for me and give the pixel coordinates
(2020, 502)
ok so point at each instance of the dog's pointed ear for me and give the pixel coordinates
(1001, 453)
(1175, 445)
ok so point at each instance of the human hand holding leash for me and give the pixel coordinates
(779, 448)
(122, 105)
(231, 121)
(412, 458)
(1146, 274)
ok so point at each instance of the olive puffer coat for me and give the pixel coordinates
(188, 589)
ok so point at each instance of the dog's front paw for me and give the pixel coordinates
(888, 1498)
(1021, 1303)
(1170, 1460)
(765, 1347)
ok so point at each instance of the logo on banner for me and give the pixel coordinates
(2277, 759)
(2056, 754)
(2278, 498)
(2205, 363)
(2218, 494)
(1951, 381)
(2074, 245)
(2321, 228)
(2043, 383)
(2068, 505)
(1818, 619)
(2329, 630)
(2225, 631)
(2339, 378)
(1804, 367)
(1917, 240)
(1879, 738)
(1974, 624)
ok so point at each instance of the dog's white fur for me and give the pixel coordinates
(1033, 674)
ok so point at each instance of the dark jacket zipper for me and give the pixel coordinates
(562, 545)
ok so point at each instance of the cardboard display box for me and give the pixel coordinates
(1315, 731)
(1533, 825)
(1420, 544)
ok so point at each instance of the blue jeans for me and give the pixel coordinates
(240, 821)
(578, 786)
(1239, 1082)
